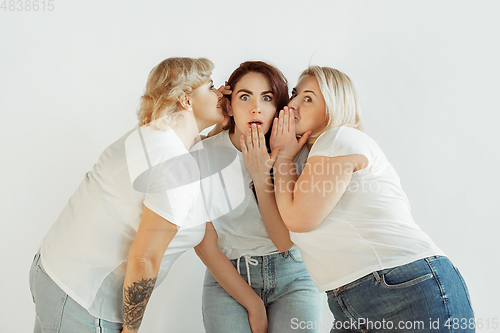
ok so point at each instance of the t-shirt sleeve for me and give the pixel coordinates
(341, 141)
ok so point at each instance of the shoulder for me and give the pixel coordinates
(214, 152)
(329, 135)
(342, 141)
(215, 140)
(341, 134)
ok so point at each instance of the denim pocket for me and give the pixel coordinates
(330, 293)
(404, 276)
(464, 285)
(49, 301)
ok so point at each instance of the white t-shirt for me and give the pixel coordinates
(371, 227)
(231, 204)
(86, 249)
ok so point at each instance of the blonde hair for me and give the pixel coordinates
(167, 84)
(342, 106)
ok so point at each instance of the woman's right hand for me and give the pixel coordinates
(224, 90)
(257, 317)
(283, 134)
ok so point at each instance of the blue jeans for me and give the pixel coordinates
(56, 312)
(281, 280)
(427, 295)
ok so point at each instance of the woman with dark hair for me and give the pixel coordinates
(133, 215)
(256, 280)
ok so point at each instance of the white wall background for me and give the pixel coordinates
(427, 74)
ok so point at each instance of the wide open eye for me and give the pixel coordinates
(294, 94)
(244, 97)
(307, 99)
(267, 98)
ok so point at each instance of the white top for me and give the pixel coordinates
(231, 204)
(370, 228)
(86, 249)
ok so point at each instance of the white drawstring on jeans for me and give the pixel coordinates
(248, 260)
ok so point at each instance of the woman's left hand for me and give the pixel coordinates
(258, 161)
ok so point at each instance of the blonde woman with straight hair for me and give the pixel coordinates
(133, 214)
(351, 220)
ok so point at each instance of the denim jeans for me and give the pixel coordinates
(56, 312)
(427, 295)
(281, 280)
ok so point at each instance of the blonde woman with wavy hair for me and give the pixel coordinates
(351, 219)
(134, 213)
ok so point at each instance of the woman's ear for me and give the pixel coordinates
(186, 102)
(229, 108)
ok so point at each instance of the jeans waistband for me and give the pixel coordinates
(376, 275)
(276, 253)
(254, 260)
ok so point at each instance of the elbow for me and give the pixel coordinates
(199, 251)
(298, 228)
(203, 250)
(284, 247)
(143, 263)
(300, 224)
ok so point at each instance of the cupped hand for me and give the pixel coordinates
(283, 134)
(225, 90)
(257, 159)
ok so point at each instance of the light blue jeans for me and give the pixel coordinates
(282, 281)
(427, 295)
(56, 312)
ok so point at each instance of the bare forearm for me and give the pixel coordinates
(228, 277)
(138, 286)
(273, 222)
(284, 182)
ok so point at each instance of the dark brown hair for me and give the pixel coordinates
(277, 81)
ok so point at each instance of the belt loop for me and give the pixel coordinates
(377, 277)
(36, 259)
(97, 325)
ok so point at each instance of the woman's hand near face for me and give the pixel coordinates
(283, 134)
(258, 161)
(224, 90)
